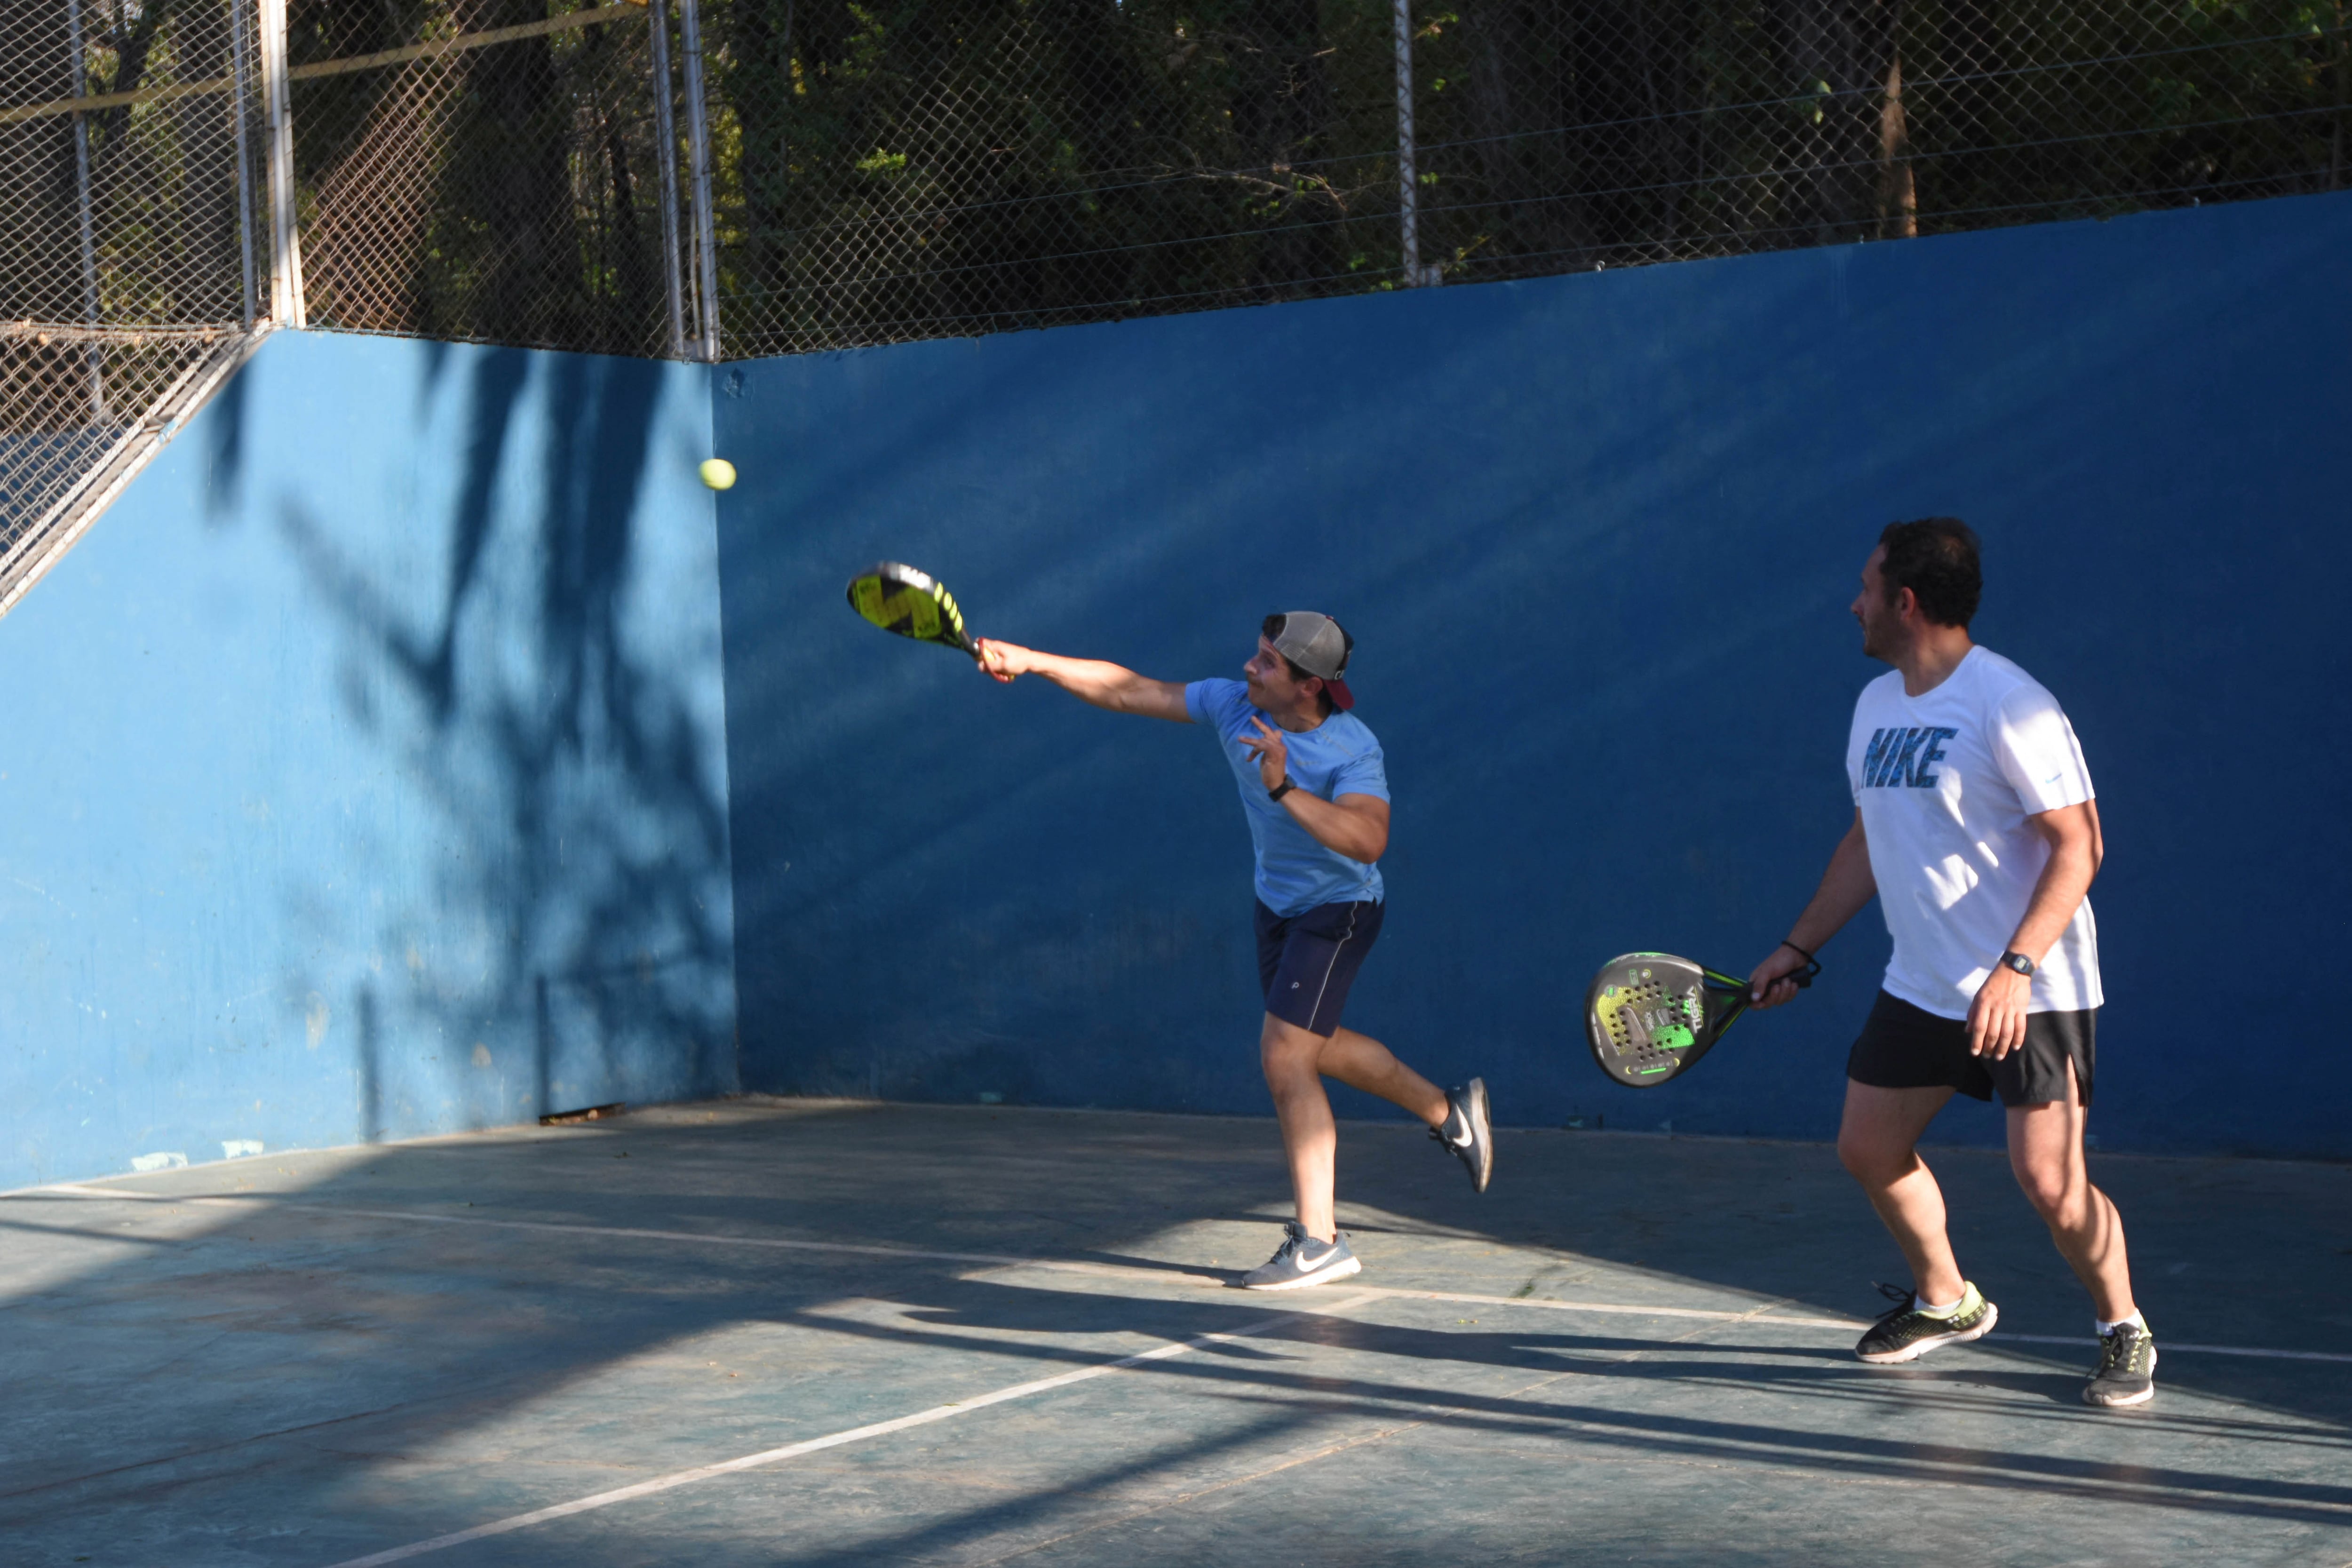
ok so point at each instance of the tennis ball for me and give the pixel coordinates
(717, 473)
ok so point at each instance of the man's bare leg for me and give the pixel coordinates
(2045, 1151)
(1295, 1062)
(1878, 1143)
(1361, 1062)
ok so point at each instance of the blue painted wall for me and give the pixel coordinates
(1596, 535)
(368, 766)
(364, 773)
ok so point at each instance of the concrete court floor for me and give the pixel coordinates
(321, 1358)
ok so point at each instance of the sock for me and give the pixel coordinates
(1945, 1310)
(2107, 1328)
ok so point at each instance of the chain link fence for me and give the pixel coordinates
(1638, 131)
(710, 179)
(724, 178)
(482, 171)
(917, 169)
(128, 284)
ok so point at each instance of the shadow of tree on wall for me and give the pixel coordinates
(554, 710)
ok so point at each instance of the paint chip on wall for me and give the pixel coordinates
(481, 1056)
(238, 1148)
(162, 1161)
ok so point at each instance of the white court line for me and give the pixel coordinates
(2168, 1346)
(1744, 1315)
(1109, 1270)
(787, 1244)
(1759, 1316)
(835, 1440)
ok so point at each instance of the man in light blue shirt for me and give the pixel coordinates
(1316, 793)
(1338, 757)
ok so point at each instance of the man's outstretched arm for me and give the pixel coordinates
(1846, 887)
(1105, 685)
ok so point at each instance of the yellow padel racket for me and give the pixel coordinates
(912, 604)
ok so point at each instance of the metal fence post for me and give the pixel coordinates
(1408, 182)
(240, 97)
(91, 357)
(697, 129)
(666, 136)
(277, 107)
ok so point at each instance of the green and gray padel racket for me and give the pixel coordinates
(913, 604)
(1649, 1016)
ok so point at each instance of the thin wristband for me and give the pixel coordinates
(1799, 951)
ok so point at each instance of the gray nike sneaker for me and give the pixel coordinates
(2126, 1373)
(1467, 1134)
(1302, 1260)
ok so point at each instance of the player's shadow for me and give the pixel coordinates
(417, 1298)
(1623, 1216)
(1742, 1361)
(1575, 1386)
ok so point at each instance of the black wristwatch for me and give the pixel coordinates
(1284, 788)
(2018, 962)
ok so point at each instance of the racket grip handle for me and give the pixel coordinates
(1803, 977)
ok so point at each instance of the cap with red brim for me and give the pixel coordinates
(1316, 644)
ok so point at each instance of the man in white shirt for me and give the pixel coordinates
(1975, 827)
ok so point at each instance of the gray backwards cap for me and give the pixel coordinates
(1316, 645)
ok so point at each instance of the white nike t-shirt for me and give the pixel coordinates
(1944, 783)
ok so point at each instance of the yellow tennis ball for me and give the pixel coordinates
(717, 473)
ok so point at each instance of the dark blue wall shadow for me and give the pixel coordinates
(1596, 536)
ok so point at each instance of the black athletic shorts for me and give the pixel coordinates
(1903, 1046)
(1307, 962)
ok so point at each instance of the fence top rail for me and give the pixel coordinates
(114, 100)
(462, 41)
(43, 334)
(449, 45)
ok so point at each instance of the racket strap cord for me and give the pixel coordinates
(1799, 951)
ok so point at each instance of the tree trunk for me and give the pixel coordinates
(518, 180)
(205, 279)
(1842, 54)
(1899, 197)
(40, 254)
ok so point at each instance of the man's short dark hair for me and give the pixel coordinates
(1936, 558)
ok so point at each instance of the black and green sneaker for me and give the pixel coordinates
(1907, 1333)
(2126, 1373)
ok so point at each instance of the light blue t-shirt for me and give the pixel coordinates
(1336, 757)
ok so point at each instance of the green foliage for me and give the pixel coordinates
(1061, 160)
(895, 169)
(504, 193)
(911, 169)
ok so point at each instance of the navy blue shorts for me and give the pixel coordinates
(1307, 962)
